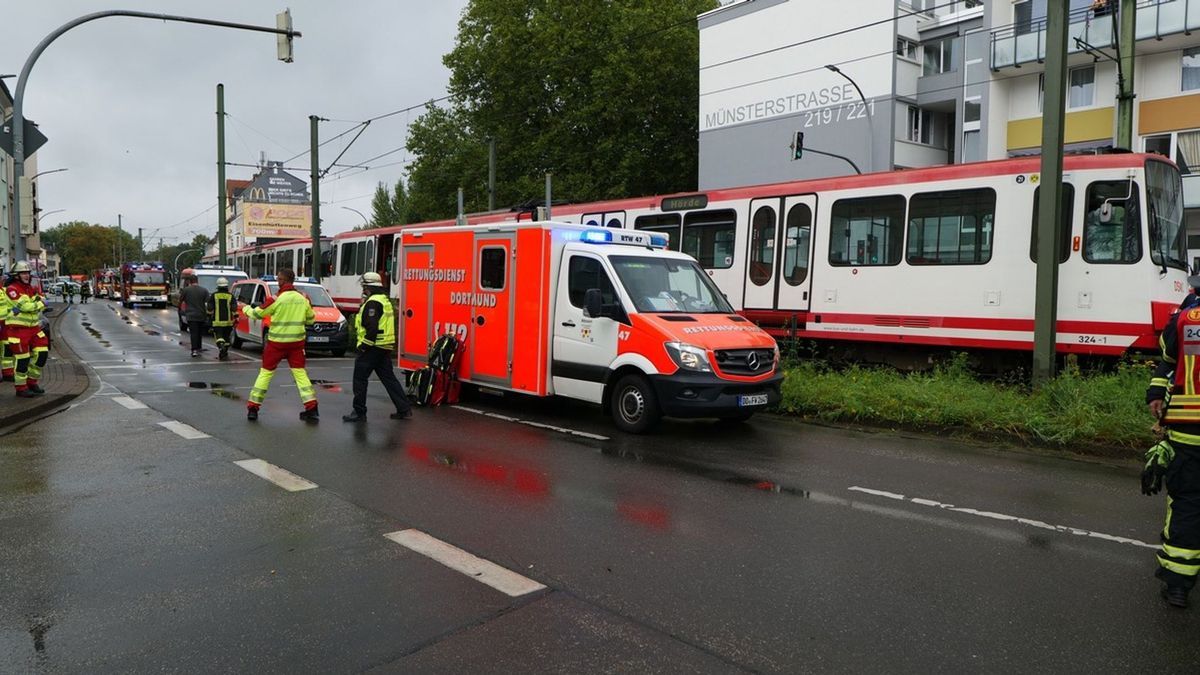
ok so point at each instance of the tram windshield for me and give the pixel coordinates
(669, 285)
(1164, 215)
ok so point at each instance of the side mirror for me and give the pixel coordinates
(1106, 212)
(592, 307)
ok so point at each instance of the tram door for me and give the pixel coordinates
(779, 253)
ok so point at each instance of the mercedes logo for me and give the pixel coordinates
(752, 360)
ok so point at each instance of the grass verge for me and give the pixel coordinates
(1094, 413)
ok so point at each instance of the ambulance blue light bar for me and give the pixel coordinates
(626, 237)
(597, 236)
(659, 241)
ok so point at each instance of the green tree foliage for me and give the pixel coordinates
(388, 208)
(400, 204)
(187, 253)
(85, 247)
(602, 94)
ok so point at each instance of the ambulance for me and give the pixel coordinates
(607, 316)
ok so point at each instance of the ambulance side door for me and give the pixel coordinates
(583, 346)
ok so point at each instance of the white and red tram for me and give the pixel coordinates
(941, 256)
(259, 260)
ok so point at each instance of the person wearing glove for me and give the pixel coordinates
(1174, 399)
(27, 342)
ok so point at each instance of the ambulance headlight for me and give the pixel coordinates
(689, 357)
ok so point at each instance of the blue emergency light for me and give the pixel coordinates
(597, 236)
(267, 277)
(658, 241)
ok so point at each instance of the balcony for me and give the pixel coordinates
(1025, 42)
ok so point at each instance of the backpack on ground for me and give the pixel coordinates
(437, 383)
(419, 384)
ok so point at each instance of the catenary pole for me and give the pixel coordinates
(1125, 48)
(314, 151)
(1049, 215)
(221, 220)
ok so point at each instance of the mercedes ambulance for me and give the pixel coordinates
(607, 316)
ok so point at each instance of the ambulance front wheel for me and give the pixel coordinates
(634, 405)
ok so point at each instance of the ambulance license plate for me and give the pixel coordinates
(319, 338)
(754, 399)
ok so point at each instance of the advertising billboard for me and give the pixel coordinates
(289, 221)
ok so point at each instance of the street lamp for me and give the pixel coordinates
(47, 213)
(176, 264)
(870, 119)
(43, 173)
(360, 214)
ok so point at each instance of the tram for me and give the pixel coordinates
(263, 259)
(942, 256)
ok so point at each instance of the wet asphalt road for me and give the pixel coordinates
(769, 546)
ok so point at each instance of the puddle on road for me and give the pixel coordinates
(197, 385)
(151, 332)
(711, 473)
(38, 627)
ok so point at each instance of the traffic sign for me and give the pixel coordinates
(34, 139)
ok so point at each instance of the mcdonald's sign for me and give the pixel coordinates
(276, 220)
(256, 194)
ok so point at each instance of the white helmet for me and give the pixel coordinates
(371, 279)
(222, 282)
(24, 267)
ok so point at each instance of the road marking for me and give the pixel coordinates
(539, 425)
(277, 475)
(1064, 529)
(130, 403)
(150, 365)
(484, 571)
(185, 430)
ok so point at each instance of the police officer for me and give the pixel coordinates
(290, 314)
(26, 339)
(222, 308)
(1174, 399)
(375, 328)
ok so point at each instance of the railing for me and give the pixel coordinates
(1024, 42)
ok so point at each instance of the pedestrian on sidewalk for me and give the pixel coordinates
(375, 327)
(85, 292)
(28, 342)
(290, 313)
(192, 300)
(222, 309)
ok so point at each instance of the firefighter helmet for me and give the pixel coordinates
(21, 267)
(371, 279)
(222, 283)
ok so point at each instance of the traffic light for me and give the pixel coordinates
(283, 42)
(798, 146)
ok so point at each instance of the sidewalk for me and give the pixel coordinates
(64, 378)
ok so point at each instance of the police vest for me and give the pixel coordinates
(222, 309)
(290, 313)
(386, 337)
(29, 306)
(1183, 404)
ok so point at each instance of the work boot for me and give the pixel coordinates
(224, 354)
(406, 415)
(33, 386)
(310, 415)
(25, 393)
(1176, 596)
(195, 353)
(252, 414)
(354, 417)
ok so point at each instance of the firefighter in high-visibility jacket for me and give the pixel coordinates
(26, 339)
(222, 310)
(7, 362)
(291, 314)
(375, 326)
(1174, 400)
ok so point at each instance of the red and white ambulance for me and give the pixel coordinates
(602, 315)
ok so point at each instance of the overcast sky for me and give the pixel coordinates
(129, 104)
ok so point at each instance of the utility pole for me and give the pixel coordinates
(1125, 53)
(120, 240)
(1049, 215)
(491, 174)
(221, 234)
(141, 246)
(316, 196)
(547, 195)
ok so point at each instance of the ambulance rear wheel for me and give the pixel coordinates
(634, 405)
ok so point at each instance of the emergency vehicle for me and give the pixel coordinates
(602, 315)
(104, 281)
(329, 331)
(143, 283)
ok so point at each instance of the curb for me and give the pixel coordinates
(53, 403)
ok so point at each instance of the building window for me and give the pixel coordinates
(951, 228)
(1191, 69)
(906, 48)
(1082, 88)
(939, 56)
(1187, 151)
(920, 125)
(1158, 144)
(867, 231)
(972, 152)
(971, 111)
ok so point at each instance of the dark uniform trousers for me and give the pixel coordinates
(1178, 560)
(379, 361)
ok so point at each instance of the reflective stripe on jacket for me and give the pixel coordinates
(290, 312)
(1183, 403)
(375, 322)
(221, 304)
(27, 304)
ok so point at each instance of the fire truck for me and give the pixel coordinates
(105, 283)
(607, 316)
(143, 283)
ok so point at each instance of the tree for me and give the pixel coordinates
(381, 208)
(602, 94)
(400, 204)
(84, 247)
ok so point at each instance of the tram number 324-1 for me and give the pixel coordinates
(849, 111)
(1093, 339)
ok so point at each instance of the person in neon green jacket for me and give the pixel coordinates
(291, 314)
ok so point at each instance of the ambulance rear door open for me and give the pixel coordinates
(584, 347)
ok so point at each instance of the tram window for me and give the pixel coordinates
(797, 233)
(867, 231)
(360, 258)
(328, 260)
(270, 268)
(592, 219)
(1068, 212)
(952, 227)
(286, 259)
(708, 236)
(347, 268)
(491, 268)
(306, 257)
(666, 223)
(762, 246)
(369, 265)
(1112, 230)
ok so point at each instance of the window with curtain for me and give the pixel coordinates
(1191, 69)
(1082, 87)
(1187, 151)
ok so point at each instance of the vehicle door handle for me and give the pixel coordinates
(568, 324)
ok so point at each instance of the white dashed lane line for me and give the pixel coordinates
(130, 403)
(187, 431)
(484, 571)
(279, 476)
(531, 423)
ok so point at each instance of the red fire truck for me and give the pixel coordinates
(143, 283)
(105, 283)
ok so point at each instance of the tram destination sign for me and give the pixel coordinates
(684, 203)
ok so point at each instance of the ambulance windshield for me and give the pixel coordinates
(669, 285)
